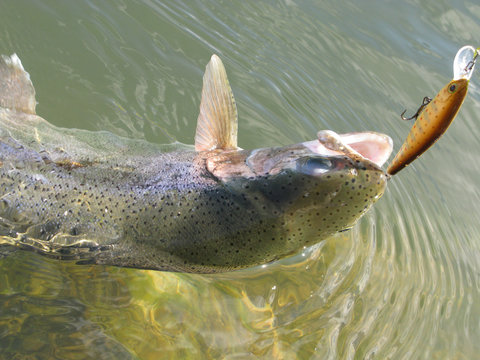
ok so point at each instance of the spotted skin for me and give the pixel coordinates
(97, 198)
(168, 212)
(433, 121)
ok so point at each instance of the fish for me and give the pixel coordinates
(97, 198)
(431, 124)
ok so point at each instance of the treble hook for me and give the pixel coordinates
(425, 102)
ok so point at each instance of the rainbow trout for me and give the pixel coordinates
(97, 198)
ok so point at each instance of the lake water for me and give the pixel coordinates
(403, 284)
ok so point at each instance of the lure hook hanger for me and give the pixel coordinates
(471, 63)
(425, 102)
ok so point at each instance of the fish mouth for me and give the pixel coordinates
(368, 146)
(364, 149)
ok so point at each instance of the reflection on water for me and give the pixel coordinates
(403, 284)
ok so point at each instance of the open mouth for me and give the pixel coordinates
(369, 145)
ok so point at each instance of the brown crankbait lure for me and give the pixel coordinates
(435, 115)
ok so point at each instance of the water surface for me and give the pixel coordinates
(403, 284)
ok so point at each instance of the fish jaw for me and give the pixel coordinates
(372, 146)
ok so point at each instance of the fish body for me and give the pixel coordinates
(97, 198)
(432, 122)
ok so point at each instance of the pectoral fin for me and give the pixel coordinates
(16, 89)
(217, 121)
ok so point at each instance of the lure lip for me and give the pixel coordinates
(464, 63)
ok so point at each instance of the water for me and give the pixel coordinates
(403, 284)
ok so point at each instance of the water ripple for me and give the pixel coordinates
(403, 284)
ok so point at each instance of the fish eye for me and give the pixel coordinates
(452, 88)
(314, 165)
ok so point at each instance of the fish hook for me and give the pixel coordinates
(425, 102)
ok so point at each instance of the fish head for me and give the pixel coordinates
(294, 195)
(315, 188)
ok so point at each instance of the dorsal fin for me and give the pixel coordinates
(217, 121)
(16, 89)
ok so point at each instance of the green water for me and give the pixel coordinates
(403, 284)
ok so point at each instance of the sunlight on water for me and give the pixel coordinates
(402, 284)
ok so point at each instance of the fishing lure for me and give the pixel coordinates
(435, 115)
